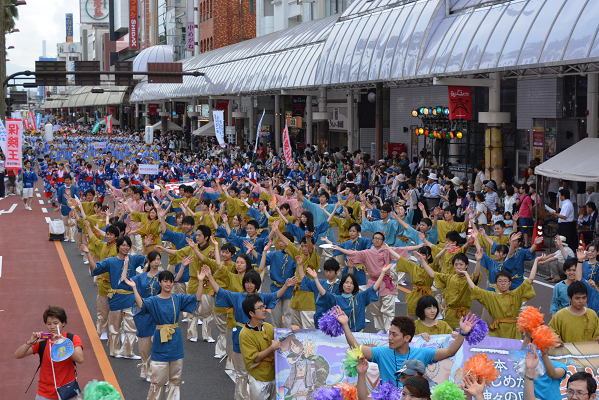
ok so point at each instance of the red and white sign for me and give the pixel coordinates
(148, 169)
(14, 144)
(32, 121)
(174, 187)
(109, 124)
(26, 123)
(152, 109)
(133, 27)
(460, 102)
(287, 148)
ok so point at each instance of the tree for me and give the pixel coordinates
(11, 15)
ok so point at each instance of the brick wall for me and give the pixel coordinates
(225, 22)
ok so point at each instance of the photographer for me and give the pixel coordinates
(62, 372)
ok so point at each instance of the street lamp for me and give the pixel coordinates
(11, 47)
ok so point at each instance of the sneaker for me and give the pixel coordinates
(148, 379)
(104, 336)
(403, 283)
(397, 300)
(86, 262)
(210, 340)
(118, 356)
(199, 321)
(184, 320)
(218, 356)
(82, 254)
(66, 239)
(366, 320)
(72, 240)
(133, 357)
(193, 339)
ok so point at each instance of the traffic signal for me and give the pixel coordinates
(42, 79)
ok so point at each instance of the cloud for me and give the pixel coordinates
(41, 20)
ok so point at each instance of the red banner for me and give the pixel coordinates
(460, 102)
(26, 124)
(152, 109)
(14, 143)
(109, 124)
(287, 148)
(111, 110)
(133, 28)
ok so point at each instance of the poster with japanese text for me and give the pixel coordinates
(14, 144)
(310, 359)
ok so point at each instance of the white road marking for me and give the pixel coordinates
(48, 220)
(38, 195)
(11, 209)
(41, 201)
(44, 210)
(1, 268)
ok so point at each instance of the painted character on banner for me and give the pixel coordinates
(307, 369)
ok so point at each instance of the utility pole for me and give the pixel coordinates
(2, 61)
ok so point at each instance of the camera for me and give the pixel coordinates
(46, 336)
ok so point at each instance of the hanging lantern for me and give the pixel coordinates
(439, 110)
(459, 134)
(421, 131)
(414, 113)
(421, 111)
(425, 111)
(446, 111)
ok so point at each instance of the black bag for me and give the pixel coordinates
(67, 391)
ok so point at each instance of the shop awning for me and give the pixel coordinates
(576, 163)
(393, 41)
(170, 126)
(206, 130)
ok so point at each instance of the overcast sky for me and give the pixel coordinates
(40, 20)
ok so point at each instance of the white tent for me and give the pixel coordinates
(170, 126)
(206, 130)
(576, 163)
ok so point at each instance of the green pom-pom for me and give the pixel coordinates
(95, 390)
(447, 391)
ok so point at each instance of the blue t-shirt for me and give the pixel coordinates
(548, 388)
(389, 361)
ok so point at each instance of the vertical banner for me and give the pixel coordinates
(133, 28)
(218, 116)
(97, 118)
(287, 147)
(69, 25)
(149, 134)
(31, 121)
(538, 141)
(14, 144)
(96, 127)
(190, 27)
(38, 120)
(109, 124)
(26, 124)
(2, 138)
(460, 102)
(258, 132)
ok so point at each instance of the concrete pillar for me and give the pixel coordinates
(136, 116)
(239, 125)
(592, 89)
(350, 119)
(493, 139)
(378, 136)
(230, 113)
(322, 135)
(252, 121)
(309, 120)
(185, 116)
(278, 123)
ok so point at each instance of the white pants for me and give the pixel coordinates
(262, 390)
(303, 319)
(281, 314)
(160, 374)
(115, 319)
(220, 320)
(204, 311)
(383, 312)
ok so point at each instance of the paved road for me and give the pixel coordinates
(29, 256)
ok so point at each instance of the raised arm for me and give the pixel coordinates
(92, 263)
(378, 282)
(349, 336)
(466, 324)
(208, 274)
(138, 300)
(424, 264)
(288, 283)
(535, 265)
